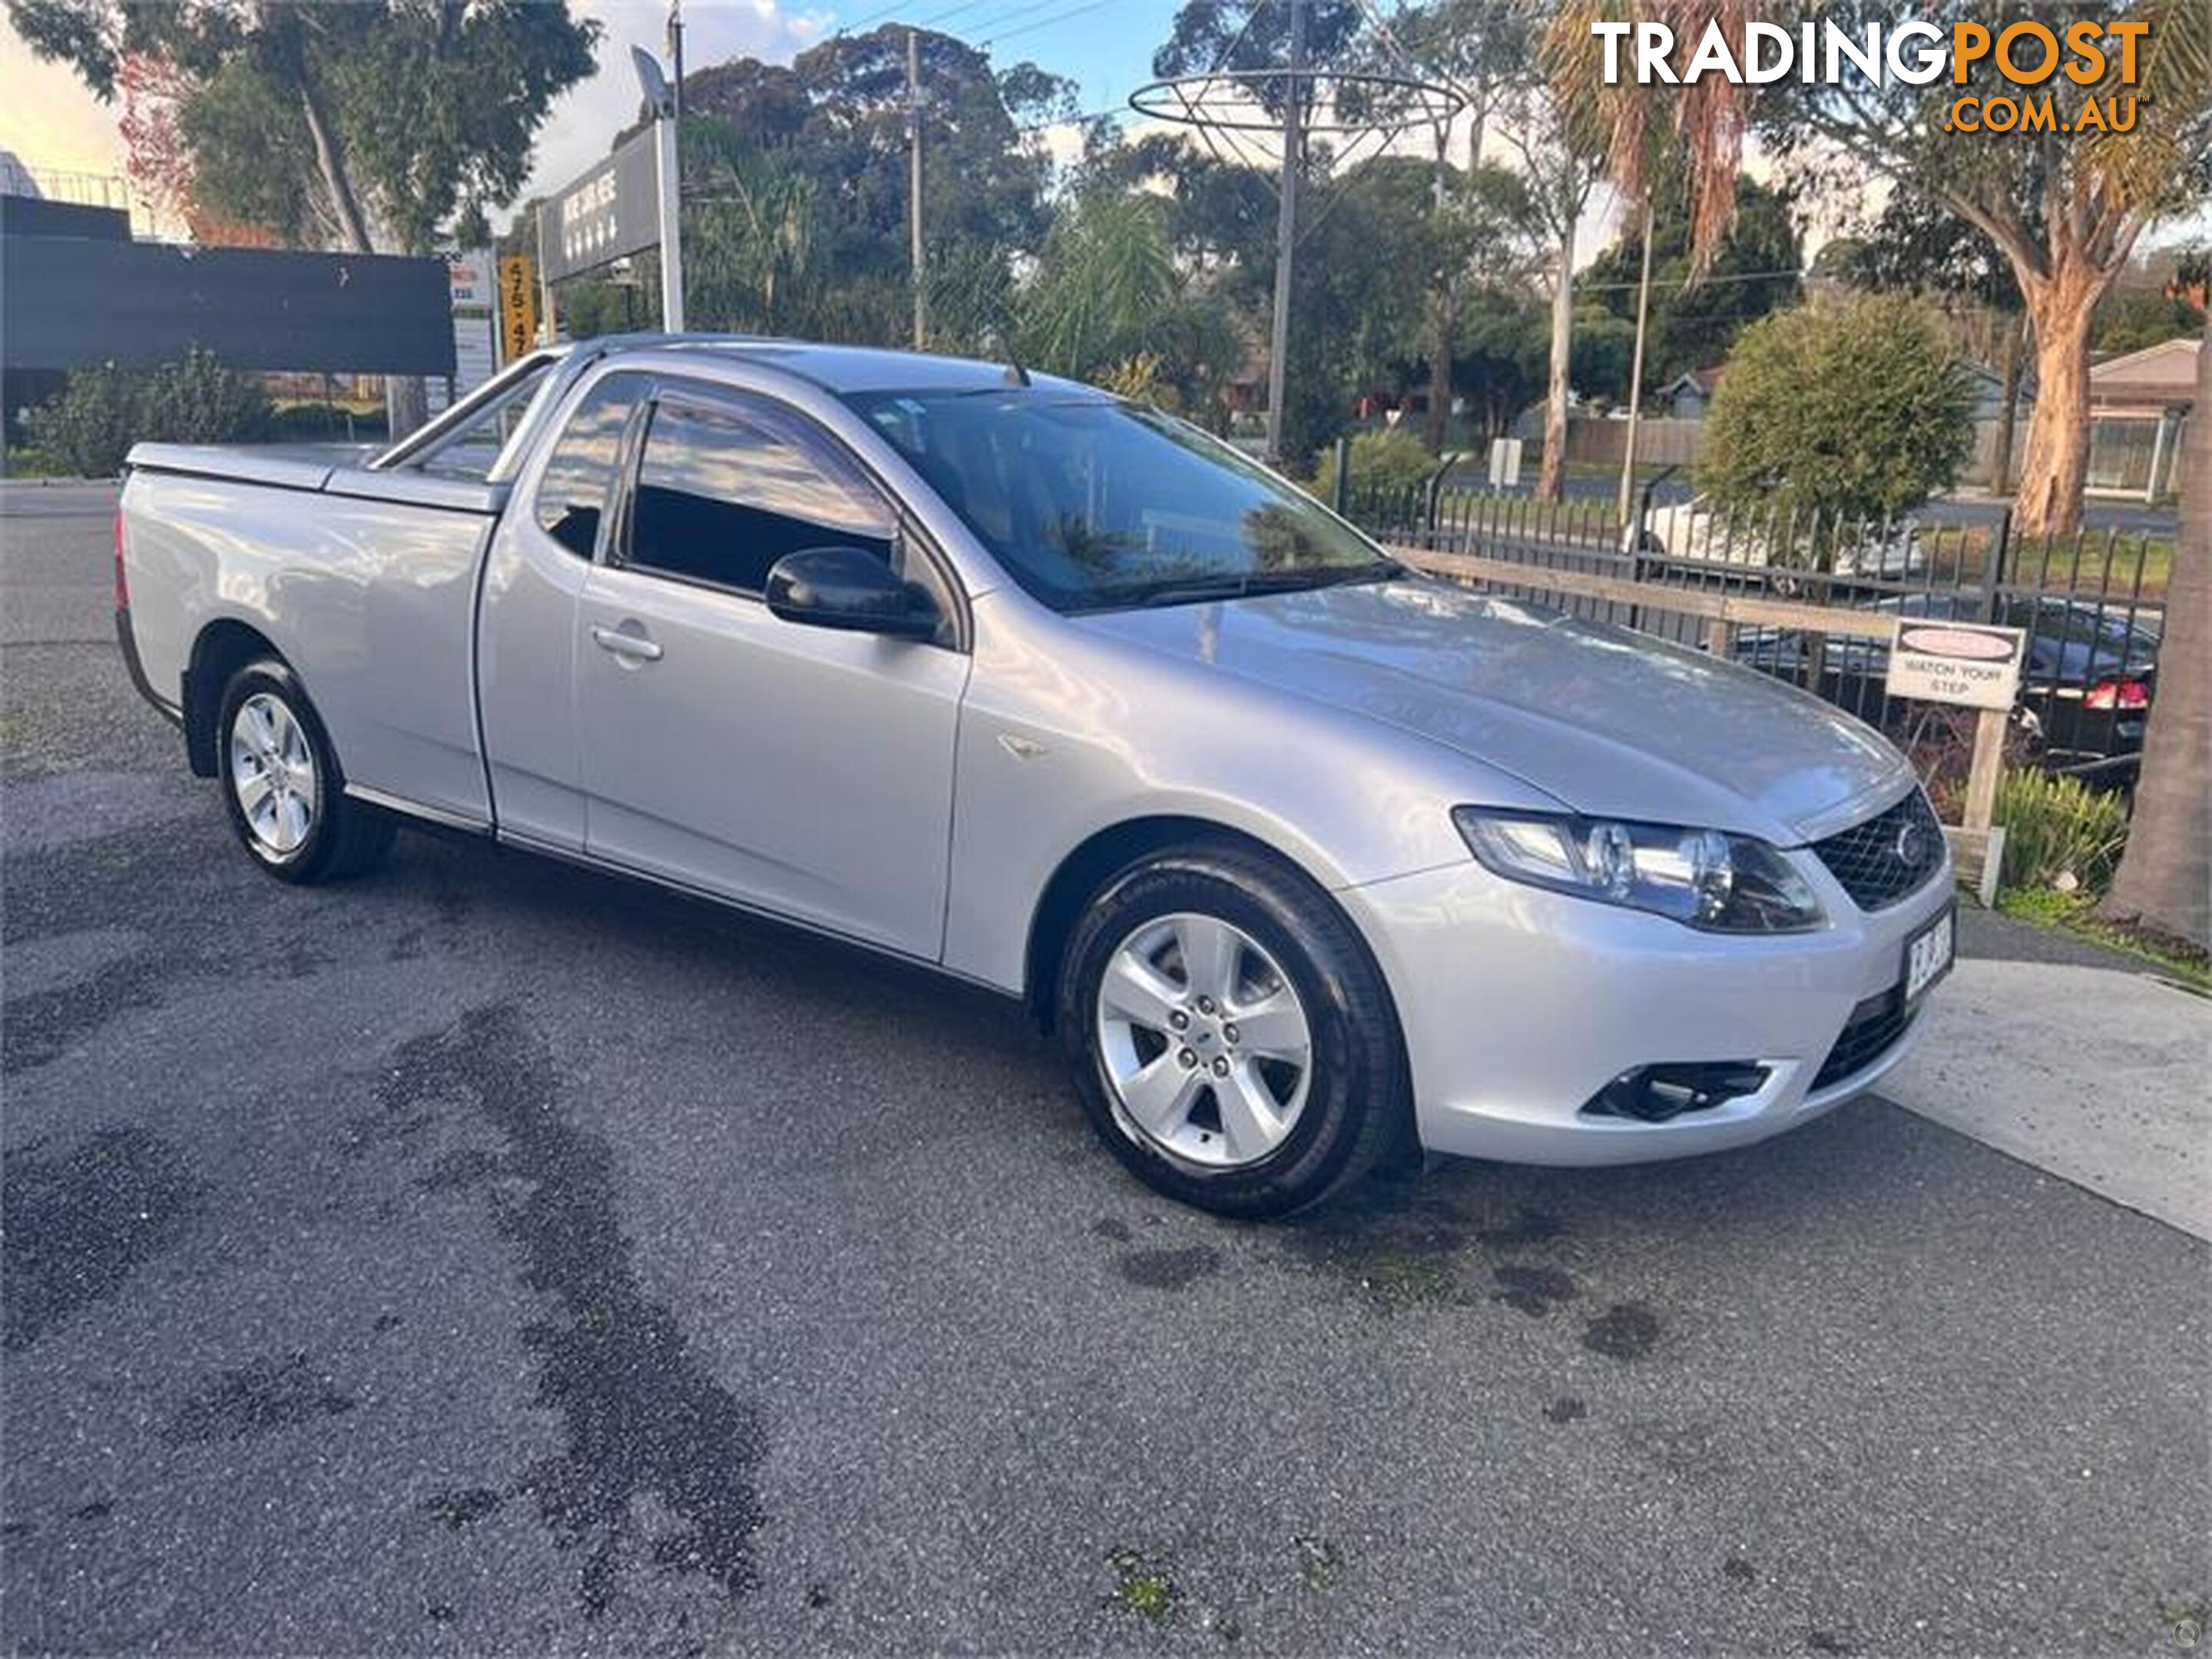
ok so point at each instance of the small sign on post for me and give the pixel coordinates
(1965, 662)
(1504, 463)
(1974, 665)
(518, 306)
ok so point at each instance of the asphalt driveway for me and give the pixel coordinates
(486, 1256)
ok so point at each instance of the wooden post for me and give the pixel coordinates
(1989, 762)
(1982, 797)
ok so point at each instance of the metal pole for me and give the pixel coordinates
(671, 231)
(546, 319)
(1286, 231)
(1635, 371)
(913, 187)
(676, 52)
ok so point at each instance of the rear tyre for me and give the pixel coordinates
(1231, 1039)
(282, 787)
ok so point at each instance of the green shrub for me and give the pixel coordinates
(87, 427)
(2058, 833)
(1848, 407)
(1388, 461)
(198, 401)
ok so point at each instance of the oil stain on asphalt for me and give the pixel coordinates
(1626, 1330)
(1169, 1270)
(646, 1424)
(256, 1398)
(1534, 1291)
(76, 1227)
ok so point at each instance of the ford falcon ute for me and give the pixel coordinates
(1305, 858)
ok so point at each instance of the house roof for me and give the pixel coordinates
(2163, 373)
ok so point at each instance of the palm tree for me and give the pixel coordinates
(1706, 119)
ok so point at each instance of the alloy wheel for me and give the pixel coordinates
(1205, 1047)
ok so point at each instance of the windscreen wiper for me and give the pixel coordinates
(1190, 590)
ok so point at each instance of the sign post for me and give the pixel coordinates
(624, 205)
(470, 283)
(1974, 665)
(668, 165)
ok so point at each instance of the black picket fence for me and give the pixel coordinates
(2092, 603)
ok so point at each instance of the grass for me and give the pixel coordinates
(2075, 913)
(1960, 553)
(1393, 1281)
(1143, 1586)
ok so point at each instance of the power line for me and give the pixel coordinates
(1709, 281)
(1042, 22)
(1000, 20)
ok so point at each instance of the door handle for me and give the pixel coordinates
(635, 646)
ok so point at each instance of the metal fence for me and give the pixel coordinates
(2091, 605)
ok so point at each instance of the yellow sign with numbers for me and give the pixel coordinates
(518, 306)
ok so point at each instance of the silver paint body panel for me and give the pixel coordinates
(920, 799)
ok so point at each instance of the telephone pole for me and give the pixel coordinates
(1626, 503)
(1286, 229)
(913, 187)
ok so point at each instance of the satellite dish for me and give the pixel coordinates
(652, 82)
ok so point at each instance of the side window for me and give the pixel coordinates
(580, 474)
(722, 495)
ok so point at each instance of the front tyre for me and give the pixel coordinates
(281, 788)
(1231, 1039)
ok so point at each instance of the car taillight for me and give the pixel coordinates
(122, 582)
(2118, 693)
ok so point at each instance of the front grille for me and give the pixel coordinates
(1874, 1027)
(1870, 860)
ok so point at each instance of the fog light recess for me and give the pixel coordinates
(1656, 1094)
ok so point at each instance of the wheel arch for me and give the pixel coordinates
(1085, 869)
(220, 650)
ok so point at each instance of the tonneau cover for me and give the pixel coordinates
(331, 472)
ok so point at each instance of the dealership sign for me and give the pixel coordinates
(611, 211)
(1965, 662)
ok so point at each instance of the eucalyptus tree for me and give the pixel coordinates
(368, 126)
(2066, 207)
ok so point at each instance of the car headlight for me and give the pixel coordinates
(1704, 879)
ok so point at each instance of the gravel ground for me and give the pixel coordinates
(487, 1256)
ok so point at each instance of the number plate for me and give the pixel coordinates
(1928, 955)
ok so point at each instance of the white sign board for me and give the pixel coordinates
(1966, 663)
(1504, 463)
(472, 274)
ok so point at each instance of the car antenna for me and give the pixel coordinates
(1016, 374)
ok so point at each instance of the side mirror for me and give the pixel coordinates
(851, 589)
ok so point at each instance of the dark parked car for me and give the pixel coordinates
(2090, 672)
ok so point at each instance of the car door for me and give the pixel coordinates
(805, 770)
(526, 657)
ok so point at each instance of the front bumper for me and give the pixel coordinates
(1518, 1005)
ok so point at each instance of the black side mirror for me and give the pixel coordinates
(851, 589)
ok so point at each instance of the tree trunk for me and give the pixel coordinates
(2056, 462)
(2165, 877)
(1437, 426)
(2015, 354)
(406, 398)
(1552, 482)
(1443, 317)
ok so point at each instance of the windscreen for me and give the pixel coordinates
(1095, 504)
